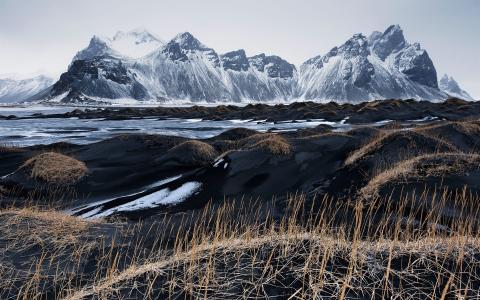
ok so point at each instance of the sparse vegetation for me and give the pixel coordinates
(415, 143)
(194, 152)
(55, 168)
(268, 142)
(365, 245)
(331, 250)
(422, 167)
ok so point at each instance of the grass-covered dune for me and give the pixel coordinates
(376, 212)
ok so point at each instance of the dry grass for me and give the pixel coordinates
(467, 127)
(320, 248)
(386, 136)
(421, 167)
(309, 255)
(194, 152)
(30, 225)
(269, 142)
(41, 250)
(55, 168)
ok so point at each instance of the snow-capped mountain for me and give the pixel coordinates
(382, 66)
(183, 68)
(448, 85)
(18, 90)
(132, 44)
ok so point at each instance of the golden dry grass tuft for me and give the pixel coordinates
(30, 225)
(423, 166)
(467, 127)
(55, 168)
(385, 137)
(269, 142)
(195, 152)
(41, 248)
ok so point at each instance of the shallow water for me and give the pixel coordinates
(36, 131)
(83, 131)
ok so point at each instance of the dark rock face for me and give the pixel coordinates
(417, 65)
(188, 42)
(275, 66)
(364, 73)
(356, 46)
(360, 71)
(173, 52)
(98, 77)
(235, 60)
(185, 43)
(392, 39)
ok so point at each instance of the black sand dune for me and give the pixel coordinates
(134, 199)
(237, 164)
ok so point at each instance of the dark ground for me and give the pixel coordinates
(258, 169)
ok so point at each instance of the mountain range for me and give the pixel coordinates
(451, 87)
(138, 66)
(13, 90)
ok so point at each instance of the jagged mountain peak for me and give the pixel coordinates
(98, 46)
(391, 40)
(185, 47)
(138, 35)
(357, 45)
(187, 41)
(450, 81)
(392, 29)
(235, 60)
(131, 44)
(381, 66)
(273, 65)
(450, 86)
(374, 36)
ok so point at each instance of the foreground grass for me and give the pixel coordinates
(319, 248)
(419, 246)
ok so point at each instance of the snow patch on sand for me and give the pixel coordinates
(161, 197)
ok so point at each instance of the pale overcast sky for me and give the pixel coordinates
(44, 35)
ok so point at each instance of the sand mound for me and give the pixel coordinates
(236, 134)
(55, 168)
(269, 142)
(396, 144)
(464, 135)
(194, 153)
(421, 167)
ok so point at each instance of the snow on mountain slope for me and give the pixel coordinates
(132, 44)
(136, 43)
(183, 69)
(381, 66)
(19, 90)
(186, 69)
(448, 85)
